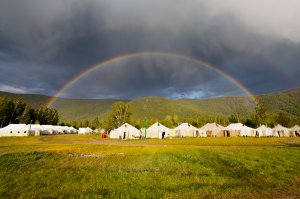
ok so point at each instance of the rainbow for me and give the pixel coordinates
(148, 53)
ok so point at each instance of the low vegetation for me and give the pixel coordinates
(72, 166)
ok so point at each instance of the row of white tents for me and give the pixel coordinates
(157, 130)
(35, 129)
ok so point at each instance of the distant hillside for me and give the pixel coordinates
(69, 109)
(158, 107)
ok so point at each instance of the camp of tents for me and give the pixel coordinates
(35, 130)
(157, 130)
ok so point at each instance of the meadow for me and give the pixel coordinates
(72, 166)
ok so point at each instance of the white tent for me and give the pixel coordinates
(157, 130)
(238, 129)
(126, 131)
(280, 131)
(73, 130)
(66, 129)
(263, 131)
(186, 130)
(212, 130)
(15, 130)
(47, 130)
(295, 131)
(85, 130)
(57, 130)
(35, 129)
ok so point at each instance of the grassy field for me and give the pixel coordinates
(72, 166)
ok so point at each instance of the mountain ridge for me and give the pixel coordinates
(156, 107)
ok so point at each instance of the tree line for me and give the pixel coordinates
(121, 113)
(16, 111)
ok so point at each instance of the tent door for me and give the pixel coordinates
(124, 135)
(197, 133)
(227, 134)
(163, 135)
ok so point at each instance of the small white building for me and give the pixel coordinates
(186, 130)
(212, 130)
(36, 129)
(238, 129)
(280, 131)
(295, 131)
(157, 130)
(15, 130)
(263, 131)
(47, 130)
(73, 130)
(86, 130)
(66, 129)
(126, 131)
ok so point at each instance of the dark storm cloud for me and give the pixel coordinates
(44, 44)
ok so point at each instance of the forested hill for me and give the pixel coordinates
(157, 107)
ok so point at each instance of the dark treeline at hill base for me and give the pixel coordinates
(121, 113)
(16, 111)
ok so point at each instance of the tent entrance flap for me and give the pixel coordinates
(163, 135)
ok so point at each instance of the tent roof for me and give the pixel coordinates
(212, 127)
(295, 128)
(157, 126)
(16, 127)
(237, 127)
(126, 127)
(185, 126)
(263, 127)
(35, 126)
(280, 128)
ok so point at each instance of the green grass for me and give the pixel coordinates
(60, 167)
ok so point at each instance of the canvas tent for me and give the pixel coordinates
(66, 129)
(186, 130)
(263, 131)
(126, 131)
(48, 130)
(280, 131)
(57, 130)
(212, 130)
(295, 131)
(238, 129)
(157, 130)
(86, 130)
(15, 130)
(35, 129)
(73, 130)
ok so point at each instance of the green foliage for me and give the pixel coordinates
(120, 114)
(235, 118)
(196, 111)
(283, 119)
(17, 111)
(46, 115)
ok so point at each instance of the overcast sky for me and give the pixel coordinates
(44, 44)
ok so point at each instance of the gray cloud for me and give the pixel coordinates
(43, 45)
